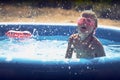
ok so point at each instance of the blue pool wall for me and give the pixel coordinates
(27, 69)
(59, 29)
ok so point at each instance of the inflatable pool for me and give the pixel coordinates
(42, 56)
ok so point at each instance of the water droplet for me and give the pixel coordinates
(88, 67)
(69, 67)
(90, 45)
(75, 73)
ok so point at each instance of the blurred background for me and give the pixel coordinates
(60, 11)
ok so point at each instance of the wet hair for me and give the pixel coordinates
(91, 15)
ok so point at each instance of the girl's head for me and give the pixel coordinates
(87, 23)
(91, 15)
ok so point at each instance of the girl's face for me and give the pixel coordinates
(86, 25)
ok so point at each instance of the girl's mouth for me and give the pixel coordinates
(83, 27)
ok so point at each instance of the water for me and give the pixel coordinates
(47, 48)
(112, 49)
(44, 49)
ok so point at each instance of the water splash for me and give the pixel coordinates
(47, 49)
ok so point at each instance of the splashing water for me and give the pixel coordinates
(44, 49)
(112, 49)
(47, 48)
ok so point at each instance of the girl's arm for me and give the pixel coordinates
(70, 49)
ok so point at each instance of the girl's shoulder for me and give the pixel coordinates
(97, 42)
(74, 36)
